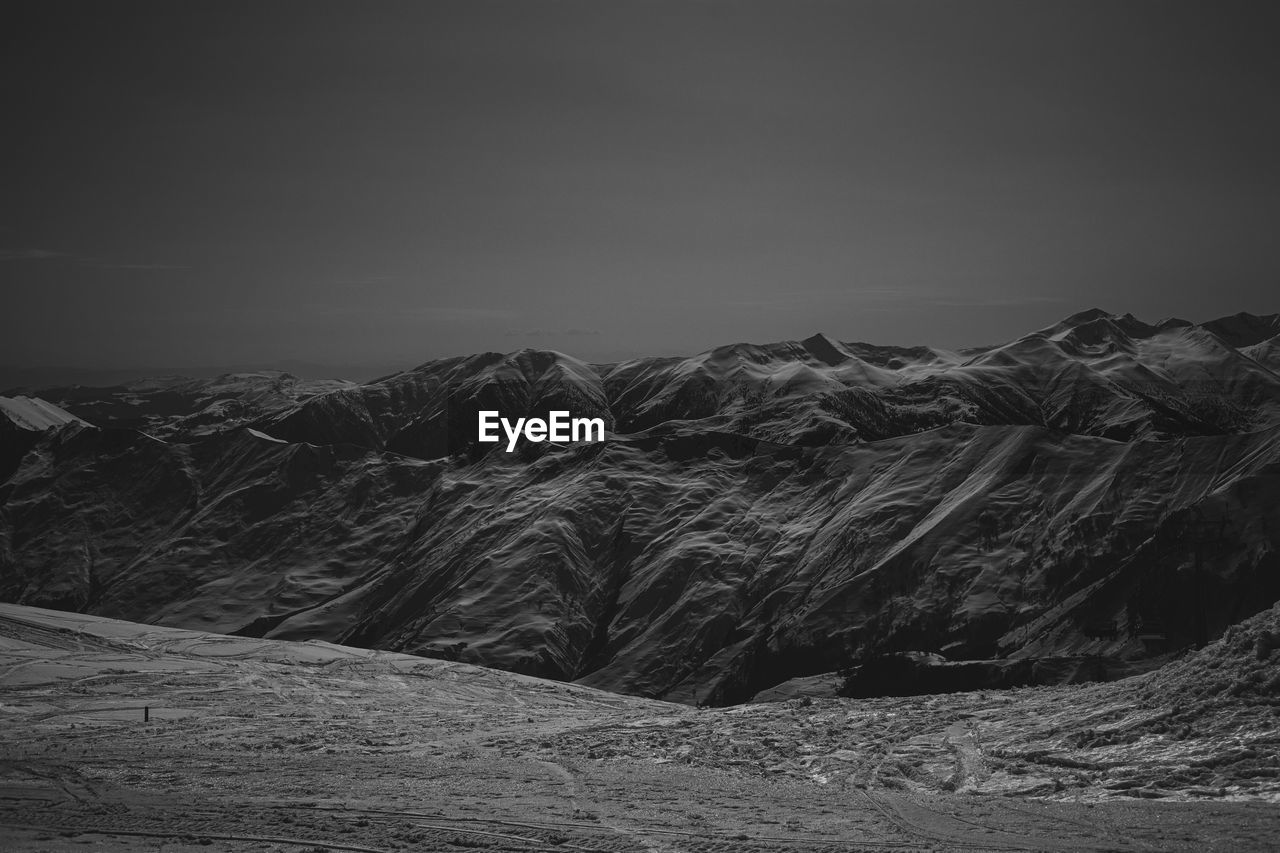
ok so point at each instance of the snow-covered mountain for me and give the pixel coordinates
(179, 406)
(22, 420)
(1103, 488)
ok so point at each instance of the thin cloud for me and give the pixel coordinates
(366, 281)
(35, 254)
(105, 266)
(446, 313)
(552, 333)
(993, 301)
(29, 254)
(868, 299)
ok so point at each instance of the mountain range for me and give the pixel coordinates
(1083, 502)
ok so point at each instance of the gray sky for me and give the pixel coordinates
(238, 182)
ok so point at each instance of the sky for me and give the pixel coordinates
(357, 184)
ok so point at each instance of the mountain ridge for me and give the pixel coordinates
(757, 513)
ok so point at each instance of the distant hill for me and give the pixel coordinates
(30, 379)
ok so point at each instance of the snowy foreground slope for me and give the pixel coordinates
(1087, 501)
(256, 744)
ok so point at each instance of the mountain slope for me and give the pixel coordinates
(22, 420)
(124, 737)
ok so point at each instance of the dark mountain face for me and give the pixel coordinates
(1244, 330)
(1103, 487)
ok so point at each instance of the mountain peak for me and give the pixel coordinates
(1087, 316)
(1076, 320)
(1096, 325)
(825, 350)
(1244, 329)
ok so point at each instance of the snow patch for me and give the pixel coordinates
(34, 414)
